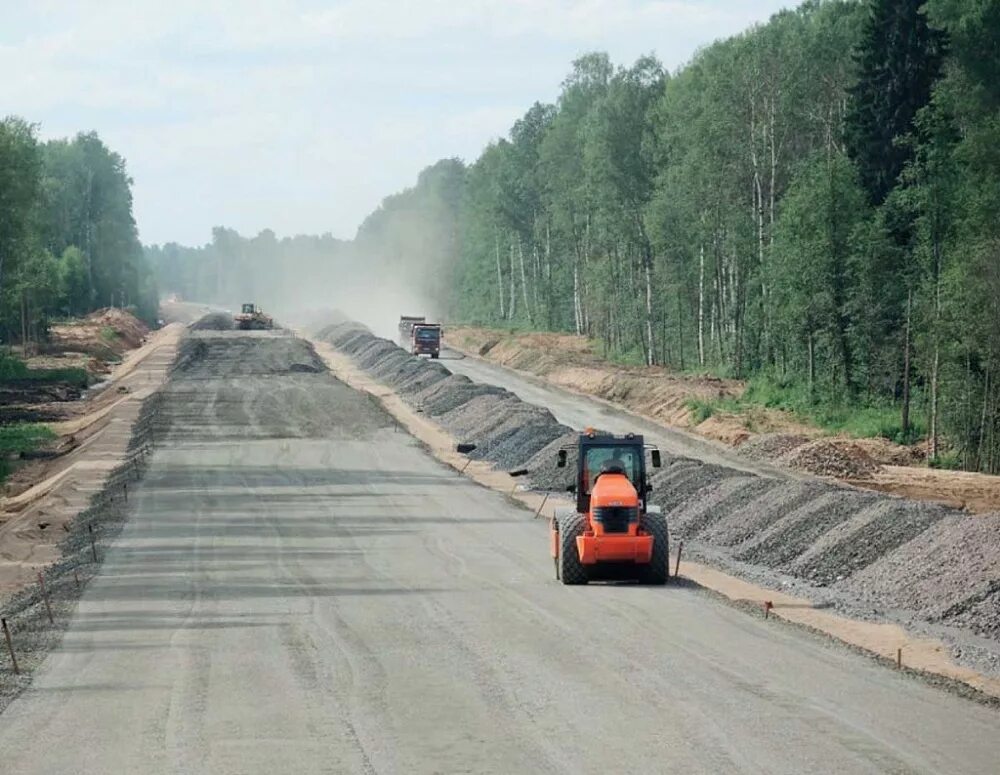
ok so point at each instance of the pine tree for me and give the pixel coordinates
(899, 59)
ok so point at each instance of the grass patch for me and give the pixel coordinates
(948, 461)
(18, 438)
(109, 335)
(14, 369)
(701, 409)
(859, 419)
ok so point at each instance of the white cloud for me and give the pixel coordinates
(300, 114)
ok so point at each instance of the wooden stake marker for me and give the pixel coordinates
(45, 597)
(542, 506)
(677, 565)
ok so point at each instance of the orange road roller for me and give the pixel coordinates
(613, 533)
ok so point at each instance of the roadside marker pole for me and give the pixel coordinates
(10, 646)
(93, 546)
(465, 466)
(45, 597)
(899, 658)
(542, 506)
(768, 605)
(677, 565)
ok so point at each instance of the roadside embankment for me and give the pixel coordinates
(843, 549)
(761, 434)
(55, 530)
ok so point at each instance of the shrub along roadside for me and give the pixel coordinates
(20, 438)
(856, 419)
(14, 369)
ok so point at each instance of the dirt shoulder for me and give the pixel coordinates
(760, 434)
(43, 496)
(885, 641)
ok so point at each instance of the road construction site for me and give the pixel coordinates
(931, 569)
(300, 585)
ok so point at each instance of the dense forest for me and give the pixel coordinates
(810, 205)
(68, 241)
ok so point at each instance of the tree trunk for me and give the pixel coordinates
(524, 281)
(982, 421)
(496, 238)
(512, 302)
(935, 367)
(905, 421)
(548, 277)
(812, 365)
(538, 274)
(932, 442)
(650, 352)
(577, 307)
(24, 322)
(701, 306)
(680, 328)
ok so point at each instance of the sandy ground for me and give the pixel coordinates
(33, 520)
(885, 641)
(302, 588)
(978, 493)
(568, 362)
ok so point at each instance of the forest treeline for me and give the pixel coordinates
(68, 240)
(810, 205)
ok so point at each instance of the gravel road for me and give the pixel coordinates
(302, 589)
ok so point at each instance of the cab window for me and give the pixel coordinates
(598, 456)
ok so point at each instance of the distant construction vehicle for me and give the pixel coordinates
(425, 339)
(613, 532)
(406, 323)
(251, 318)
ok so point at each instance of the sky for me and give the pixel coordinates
(301, 115)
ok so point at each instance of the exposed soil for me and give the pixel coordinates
(43, 496)
(94, 344)
(102, 333)
(572, 362)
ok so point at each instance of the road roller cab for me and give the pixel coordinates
(613, 532)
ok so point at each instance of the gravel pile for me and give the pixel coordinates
(824, 457)
(768, 447)
(214, 321)
(752, 510)
(545, 471)
(206, 355)
(506, 431)
(714, 502)
(859, 550)
(683, 481)
(950, 573)
(791, 535)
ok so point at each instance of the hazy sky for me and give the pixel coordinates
(300, 115)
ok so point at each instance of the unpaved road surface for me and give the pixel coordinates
(580, 411)
(303, 589)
